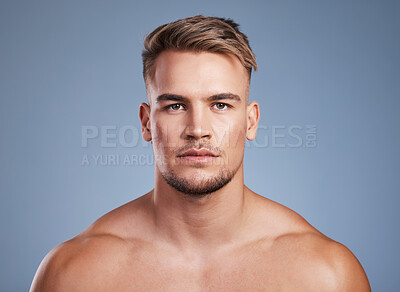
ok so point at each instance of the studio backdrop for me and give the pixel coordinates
(327, 146)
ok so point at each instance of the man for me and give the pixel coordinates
(200, 228)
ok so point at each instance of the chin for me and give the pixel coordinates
(198, 184)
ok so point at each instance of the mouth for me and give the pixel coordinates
(197, 156)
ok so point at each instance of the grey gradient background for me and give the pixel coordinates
(67, 64)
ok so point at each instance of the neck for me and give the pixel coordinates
(188, 222)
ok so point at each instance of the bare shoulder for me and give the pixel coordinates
(69, 265)
(92, 259)
(314, 259)
(321, 262)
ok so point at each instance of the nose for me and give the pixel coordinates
(197, 125)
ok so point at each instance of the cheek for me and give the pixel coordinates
(160, 134)
(236, 133)
(165, 135)
(237, 140)
(160, 142)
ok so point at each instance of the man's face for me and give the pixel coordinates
(198, 119)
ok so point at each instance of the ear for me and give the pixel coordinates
(253, 116)
(144, 115)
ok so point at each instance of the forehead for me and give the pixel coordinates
(197, 74)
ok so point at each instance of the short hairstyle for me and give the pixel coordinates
(199, 34)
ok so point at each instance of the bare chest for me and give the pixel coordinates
(234, 273)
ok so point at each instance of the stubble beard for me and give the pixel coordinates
(199, 187)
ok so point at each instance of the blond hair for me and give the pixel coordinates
(198, 33)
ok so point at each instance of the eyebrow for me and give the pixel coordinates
(180, 98)
(172, 97)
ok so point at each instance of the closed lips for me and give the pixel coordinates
(197, 152)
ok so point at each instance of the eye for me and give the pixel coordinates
(175, 107)
(220, 106)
